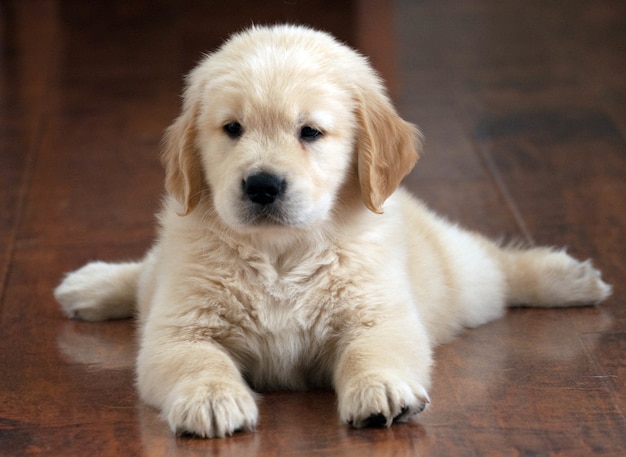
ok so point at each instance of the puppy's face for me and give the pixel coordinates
(275, 148)
(274, 123)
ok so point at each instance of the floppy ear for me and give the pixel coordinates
(387, 148)
(181, 159)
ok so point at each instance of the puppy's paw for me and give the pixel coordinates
(586, 283)
(211, 409)
(378, 400)
(99, 291)
(570, 282)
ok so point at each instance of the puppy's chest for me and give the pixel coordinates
(301, 293)
(281, 318)
(289, 293)
(290, 323)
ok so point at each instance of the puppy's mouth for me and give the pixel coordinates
(265, 216)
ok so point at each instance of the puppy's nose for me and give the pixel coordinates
(263, 188)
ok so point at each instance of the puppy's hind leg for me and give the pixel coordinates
(100, 291)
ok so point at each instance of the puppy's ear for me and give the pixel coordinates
(387, 147)
(181, 159)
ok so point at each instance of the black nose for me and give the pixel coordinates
(263, 188)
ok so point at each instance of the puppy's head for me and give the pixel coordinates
(273, 125)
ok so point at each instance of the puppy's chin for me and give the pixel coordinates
(270, 221)
(270, 233)
(276, 221)
(267, 216)
(291, 214)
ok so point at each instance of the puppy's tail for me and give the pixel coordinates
(100, 291)
(551, 278)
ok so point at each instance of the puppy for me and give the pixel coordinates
(288, 257)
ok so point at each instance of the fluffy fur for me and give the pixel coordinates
(343, 280)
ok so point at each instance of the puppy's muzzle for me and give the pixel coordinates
(263, 188)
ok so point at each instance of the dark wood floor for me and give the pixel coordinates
(523, 104)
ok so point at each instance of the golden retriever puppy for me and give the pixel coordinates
(287, 257)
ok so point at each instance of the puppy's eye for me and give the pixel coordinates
(308, 133)
(233, 129)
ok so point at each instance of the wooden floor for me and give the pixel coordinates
(523, 105)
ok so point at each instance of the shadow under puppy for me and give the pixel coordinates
(288, 257)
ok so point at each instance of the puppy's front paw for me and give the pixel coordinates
(378, 400)
(211, 409)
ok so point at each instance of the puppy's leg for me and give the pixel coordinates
(100, 291)
(490, 277)
(196, 385)
(383, 373)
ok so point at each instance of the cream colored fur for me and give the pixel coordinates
(349, 283)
